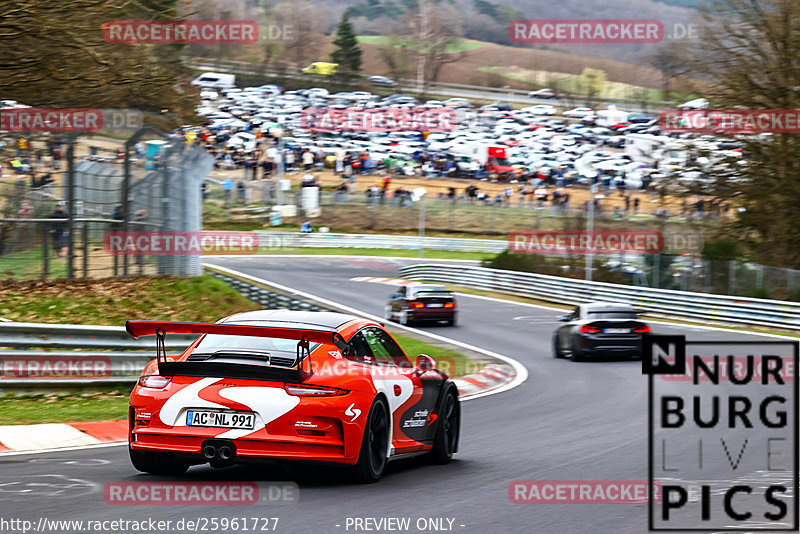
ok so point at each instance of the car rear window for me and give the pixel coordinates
(613, 315)
(215, 342)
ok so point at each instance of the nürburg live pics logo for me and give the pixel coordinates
(722, 434)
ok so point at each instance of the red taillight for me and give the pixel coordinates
(450, 305)
(417, 304)
(586, 329)
(313, 391)
(154, 381)
(643, 330)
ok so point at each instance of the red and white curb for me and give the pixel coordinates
(61, 435)
(487, 379)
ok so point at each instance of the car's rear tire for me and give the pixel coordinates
(452, 322)
(576, 355)
(556, 351)
(448, 427)
(157, 463)
(374, 445)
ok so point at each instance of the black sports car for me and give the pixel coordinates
(599, 329)
(421, 302)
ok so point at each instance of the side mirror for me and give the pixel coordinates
(425, 363)
(563, 318)
(393, 296)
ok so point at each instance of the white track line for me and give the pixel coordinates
(63, 449)
(521, 371)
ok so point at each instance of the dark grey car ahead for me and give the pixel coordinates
(599, 329)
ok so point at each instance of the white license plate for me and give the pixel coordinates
(220, 419)
(439, 305)
(617, 330)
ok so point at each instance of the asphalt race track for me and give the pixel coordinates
(568, 421)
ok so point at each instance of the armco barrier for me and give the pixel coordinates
(278, 240)
(699, 307)
(38, 353)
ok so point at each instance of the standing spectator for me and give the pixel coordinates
(308, 160)
(341, 192)
(636, 205)
(627, 204)
(58, 228)
(240, 191)
(507, 194)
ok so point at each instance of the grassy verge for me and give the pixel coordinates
(112, 302)
(64, 407)
(29, 263)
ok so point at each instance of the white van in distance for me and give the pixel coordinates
(215, 80)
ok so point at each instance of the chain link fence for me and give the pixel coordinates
(54, 224)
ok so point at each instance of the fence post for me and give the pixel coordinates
(45, 247)
(656, 268)
(85, 238)
(71, 206)
(731, 277)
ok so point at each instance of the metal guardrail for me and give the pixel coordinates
(56, 354)
(702, 307)
(278, 240)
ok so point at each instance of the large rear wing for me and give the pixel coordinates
(304, 337)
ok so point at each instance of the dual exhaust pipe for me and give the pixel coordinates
(221, 452)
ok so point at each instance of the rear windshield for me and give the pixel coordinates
(215, 342)
(613, 315)
(441, 293)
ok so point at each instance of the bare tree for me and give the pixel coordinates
(435, 34)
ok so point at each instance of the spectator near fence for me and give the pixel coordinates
(58, 229)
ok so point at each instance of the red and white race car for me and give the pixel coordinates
(313, 386)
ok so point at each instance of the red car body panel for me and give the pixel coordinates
(287, 426)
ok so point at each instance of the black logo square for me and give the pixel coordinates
(663, 355)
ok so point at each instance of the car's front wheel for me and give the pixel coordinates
(374, 445)
(157, 463)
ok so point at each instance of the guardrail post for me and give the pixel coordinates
(731, 277)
